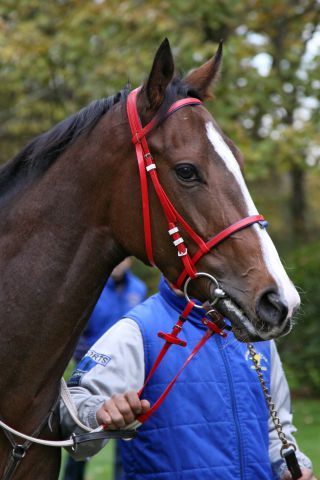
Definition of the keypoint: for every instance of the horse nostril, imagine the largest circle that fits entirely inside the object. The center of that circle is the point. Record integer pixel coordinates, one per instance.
(271, 309)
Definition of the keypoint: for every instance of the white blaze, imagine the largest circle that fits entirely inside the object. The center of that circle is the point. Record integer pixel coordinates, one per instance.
(286, 289)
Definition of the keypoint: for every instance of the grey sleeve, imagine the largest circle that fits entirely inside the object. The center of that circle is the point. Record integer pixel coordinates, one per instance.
(115, 365)
(280, 394)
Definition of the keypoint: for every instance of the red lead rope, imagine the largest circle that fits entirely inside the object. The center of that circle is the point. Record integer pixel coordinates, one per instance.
(171, 339)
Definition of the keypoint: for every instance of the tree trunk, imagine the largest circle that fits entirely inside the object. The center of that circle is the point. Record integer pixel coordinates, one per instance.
(298, 203)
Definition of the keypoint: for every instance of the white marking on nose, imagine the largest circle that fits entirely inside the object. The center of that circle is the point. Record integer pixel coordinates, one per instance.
(286, 289)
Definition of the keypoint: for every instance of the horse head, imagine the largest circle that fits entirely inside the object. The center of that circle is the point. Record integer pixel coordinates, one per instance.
(201, 172)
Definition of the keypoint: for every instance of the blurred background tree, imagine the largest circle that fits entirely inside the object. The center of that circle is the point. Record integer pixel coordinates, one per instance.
(57, 56)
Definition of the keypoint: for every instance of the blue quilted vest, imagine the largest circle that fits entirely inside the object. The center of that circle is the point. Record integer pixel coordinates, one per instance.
(214, 423)
(112, 304)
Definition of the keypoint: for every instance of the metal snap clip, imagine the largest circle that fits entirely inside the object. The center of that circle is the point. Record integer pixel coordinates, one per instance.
(285, 446)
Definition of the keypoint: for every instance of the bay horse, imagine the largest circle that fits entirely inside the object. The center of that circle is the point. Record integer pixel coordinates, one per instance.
(71, 211)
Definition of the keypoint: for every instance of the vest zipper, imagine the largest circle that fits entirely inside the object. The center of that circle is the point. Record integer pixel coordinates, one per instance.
(233, 403)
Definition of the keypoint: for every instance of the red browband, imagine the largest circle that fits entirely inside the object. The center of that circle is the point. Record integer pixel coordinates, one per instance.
(147, 166)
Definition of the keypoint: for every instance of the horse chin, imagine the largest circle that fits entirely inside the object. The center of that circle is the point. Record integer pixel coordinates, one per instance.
(243, 328)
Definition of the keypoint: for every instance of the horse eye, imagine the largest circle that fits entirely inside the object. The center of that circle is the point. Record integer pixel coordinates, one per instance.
(187, 172)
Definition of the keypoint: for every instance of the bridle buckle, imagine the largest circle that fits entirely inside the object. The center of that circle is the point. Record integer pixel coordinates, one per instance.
(19, 452)
(213, 280)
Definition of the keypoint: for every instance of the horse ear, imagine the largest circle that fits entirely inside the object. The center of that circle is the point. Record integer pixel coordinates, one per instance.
(160, 76)
(202, 78)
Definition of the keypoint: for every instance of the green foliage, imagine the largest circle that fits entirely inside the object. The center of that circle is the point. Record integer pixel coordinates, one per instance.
(149, 275)
(300, 350)
(306, 415)
(57, 56)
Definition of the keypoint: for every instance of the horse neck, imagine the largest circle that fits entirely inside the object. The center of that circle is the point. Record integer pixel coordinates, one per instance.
(57, 254)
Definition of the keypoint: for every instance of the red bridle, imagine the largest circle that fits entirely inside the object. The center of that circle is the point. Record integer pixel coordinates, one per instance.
(147, 166)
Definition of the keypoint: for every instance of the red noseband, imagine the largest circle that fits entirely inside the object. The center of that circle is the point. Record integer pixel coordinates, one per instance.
(147, 167)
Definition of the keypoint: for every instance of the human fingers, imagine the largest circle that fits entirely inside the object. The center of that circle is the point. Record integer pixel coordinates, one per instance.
(134, 402)
(116, 419)
(145, 405)
(124, 407)
(103, 417)
(121, 410)
(306, 475)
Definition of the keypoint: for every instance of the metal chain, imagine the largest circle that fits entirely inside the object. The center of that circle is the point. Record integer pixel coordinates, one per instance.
(271, 406)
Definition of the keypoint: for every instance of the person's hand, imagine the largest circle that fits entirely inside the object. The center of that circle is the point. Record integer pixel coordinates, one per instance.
(121, 410)
(306, 475)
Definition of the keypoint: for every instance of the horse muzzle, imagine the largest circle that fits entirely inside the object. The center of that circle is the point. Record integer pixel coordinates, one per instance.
(270, 318)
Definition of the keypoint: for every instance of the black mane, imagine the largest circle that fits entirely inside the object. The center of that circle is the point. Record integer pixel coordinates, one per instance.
(44, 149)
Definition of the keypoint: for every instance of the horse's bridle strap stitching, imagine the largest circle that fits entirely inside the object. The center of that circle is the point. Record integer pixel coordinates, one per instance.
(135, 126)
(145, 205)
(220, 237)
(170, 211)
(144, 156)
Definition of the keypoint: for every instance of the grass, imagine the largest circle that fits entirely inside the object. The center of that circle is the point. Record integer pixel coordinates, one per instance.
(306, 419)
(100, 467)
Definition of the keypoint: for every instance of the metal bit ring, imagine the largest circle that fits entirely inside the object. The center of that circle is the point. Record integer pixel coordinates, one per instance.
(213, 280)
